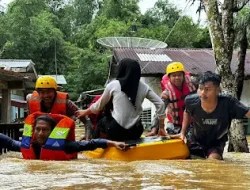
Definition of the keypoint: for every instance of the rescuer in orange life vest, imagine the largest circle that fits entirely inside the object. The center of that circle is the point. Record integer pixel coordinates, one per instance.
(52, 137)
(176, 85)
(47, 99)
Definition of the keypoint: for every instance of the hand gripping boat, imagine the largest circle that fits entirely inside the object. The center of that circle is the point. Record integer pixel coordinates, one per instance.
(148, 148)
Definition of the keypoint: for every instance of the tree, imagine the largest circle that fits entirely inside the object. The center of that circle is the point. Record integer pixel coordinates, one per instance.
(88, 71)
(184, 34)
(3, 33)
(165, 22)
(221, 23)
(85, 11)
(163, 12)
(121, 10)
(66, 31)
(33, 35)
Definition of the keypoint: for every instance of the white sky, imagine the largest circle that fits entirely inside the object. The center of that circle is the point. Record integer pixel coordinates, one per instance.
(145, 4)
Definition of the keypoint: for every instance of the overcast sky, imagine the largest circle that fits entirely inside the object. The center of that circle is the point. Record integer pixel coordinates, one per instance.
(145, 4)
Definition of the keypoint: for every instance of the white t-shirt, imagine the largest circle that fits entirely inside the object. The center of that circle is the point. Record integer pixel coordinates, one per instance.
(124, 112)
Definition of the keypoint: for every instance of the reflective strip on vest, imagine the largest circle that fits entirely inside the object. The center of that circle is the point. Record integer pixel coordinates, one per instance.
(59, 133)
(173, 104)
(27, 130)
(54, 144)
(189, 83)
(34, 98)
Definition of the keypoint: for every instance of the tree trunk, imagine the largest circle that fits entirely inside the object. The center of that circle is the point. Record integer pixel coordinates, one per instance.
(237, 137)
(240, 72)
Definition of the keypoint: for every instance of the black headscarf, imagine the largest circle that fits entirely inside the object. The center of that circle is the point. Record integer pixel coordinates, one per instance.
(129, 74)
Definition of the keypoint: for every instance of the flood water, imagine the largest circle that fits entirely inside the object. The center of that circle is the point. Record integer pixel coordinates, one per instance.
(84, 173)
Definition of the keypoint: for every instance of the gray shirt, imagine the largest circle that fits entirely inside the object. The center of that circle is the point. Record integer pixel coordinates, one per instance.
(123, 111)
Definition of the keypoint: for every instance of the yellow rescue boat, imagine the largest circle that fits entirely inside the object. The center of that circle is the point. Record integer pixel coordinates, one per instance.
(148, 148)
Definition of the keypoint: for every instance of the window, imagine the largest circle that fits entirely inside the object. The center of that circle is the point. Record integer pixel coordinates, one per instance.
(146, 118)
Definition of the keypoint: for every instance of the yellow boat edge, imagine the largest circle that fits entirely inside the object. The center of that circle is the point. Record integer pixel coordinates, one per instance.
(169, 149)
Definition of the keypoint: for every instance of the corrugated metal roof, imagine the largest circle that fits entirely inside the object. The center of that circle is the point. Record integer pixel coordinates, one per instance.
(153, 57)
(194, 60)
(11, 76)
(60, 79)
(15, 63)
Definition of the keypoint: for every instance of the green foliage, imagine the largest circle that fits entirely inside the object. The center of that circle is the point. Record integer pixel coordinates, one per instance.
(163, 13)
(34, 36)
(3, 31)
(84, 11)
(242, 20)
(65, 32)
(202, 39)
(121, 10)
(88, 70)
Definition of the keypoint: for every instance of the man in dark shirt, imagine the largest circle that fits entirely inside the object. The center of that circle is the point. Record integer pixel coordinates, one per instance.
(212, 114)
(44, 125)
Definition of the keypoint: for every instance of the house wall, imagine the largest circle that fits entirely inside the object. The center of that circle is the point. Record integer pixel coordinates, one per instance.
(14, 110)
(155, 85)
(245, 96)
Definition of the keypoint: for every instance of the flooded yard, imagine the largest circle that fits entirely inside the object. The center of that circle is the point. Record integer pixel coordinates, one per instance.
(84, 173)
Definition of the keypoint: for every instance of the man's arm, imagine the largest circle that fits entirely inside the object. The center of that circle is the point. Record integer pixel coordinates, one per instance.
(72, 108)
(72, 146)
(185, 124)
(9, 143)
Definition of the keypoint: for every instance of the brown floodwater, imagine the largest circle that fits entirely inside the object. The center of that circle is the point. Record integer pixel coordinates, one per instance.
(84, 173)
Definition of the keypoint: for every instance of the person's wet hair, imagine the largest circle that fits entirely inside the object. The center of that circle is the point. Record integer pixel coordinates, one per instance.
(48, 119)
(209, 76)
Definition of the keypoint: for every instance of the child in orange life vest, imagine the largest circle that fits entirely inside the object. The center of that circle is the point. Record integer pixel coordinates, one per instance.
(176, 85)
(42, 140)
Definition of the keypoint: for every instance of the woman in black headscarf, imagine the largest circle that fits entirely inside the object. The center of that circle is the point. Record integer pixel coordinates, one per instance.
(126, 94)
(129, 75)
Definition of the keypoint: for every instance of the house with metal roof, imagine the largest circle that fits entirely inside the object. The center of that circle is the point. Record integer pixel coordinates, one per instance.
(17, 80)
(12, 104)
(24, 67)
(154, 61)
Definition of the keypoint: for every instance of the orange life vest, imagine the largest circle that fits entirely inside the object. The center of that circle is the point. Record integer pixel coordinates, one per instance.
(176, 104)
(54, 146)
(59, 105)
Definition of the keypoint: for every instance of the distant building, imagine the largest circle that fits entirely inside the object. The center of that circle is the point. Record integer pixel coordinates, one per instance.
(18, 79)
